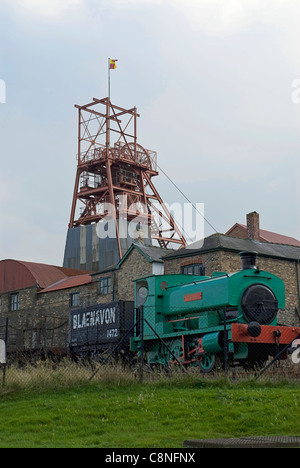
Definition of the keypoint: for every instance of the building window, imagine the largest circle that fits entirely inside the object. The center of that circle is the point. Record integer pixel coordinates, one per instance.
(194, 269)
(14, 301)
(105, 285)
(74, 299)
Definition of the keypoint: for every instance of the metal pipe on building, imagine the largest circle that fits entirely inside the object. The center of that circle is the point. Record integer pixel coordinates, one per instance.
(298, 283)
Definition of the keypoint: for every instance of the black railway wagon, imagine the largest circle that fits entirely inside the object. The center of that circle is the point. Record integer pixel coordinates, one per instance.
(99, 328)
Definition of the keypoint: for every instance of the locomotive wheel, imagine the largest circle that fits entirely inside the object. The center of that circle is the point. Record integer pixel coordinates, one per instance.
(207, 364)
(177, 350)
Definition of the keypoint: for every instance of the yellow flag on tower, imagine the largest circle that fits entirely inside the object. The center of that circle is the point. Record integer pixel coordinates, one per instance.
(112, 64)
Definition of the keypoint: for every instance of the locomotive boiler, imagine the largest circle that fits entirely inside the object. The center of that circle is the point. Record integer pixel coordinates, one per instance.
(200, 320)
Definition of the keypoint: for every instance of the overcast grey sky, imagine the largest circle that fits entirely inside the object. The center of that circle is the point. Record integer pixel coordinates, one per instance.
(213, 81)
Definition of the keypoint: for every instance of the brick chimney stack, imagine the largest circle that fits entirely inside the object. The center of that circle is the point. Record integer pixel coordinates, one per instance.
(253, 226)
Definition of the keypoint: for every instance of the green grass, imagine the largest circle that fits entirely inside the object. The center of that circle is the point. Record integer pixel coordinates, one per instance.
(156, 414)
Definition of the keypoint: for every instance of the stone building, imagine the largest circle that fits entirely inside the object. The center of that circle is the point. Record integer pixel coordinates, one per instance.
(113, 284)
(20, 285)
(37, 298)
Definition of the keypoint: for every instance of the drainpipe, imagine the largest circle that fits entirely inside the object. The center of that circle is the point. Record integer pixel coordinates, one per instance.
(298, 283)
(114, 287)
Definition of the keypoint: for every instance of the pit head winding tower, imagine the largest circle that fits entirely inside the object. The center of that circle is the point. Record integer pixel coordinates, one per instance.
(115, 201)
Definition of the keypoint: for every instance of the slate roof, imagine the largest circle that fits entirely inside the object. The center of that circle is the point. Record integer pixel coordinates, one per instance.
(150, 252)
(153, 253)
(234, 244)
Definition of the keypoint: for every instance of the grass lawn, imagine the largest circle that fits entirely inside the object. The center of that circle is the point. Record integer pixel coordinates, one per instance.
(150, 415)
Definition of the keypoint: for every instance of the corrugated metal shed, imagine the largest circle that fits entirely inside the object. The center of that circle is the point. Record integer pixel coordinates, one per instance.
(15, 274)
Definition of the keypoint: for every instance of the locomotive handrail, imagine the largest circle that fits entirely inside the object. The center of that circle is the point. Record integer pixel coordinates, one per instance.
(205, 278)
(260, 276)
(182, 319)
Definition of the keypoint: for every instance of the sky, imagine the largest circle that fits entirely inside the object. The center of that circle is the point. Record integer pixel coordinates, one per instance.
(217, 86)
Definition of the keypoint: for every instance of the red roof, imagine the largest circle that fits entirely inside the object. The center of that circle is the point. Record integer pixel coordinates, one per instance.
(66, 283)
(268, 236)
(15, 274)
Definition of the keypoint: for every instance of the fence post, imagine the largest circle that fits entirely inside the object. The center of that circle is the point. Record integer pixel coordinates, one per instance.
(225, 344)
(141, 351)
(5, 341)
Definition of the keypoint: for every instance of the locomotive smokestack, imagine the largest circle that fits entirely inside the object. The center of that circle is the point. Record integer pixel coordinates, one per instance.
(248, 260)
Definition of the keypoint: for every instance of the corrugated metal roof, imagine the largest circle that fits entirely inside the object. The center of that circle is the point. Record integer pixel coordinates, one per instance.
(66, 283)
(16, 274)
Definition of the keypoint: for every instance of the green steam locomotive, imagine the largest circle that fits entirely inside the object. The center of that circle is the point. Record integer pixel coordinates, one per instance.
(201, 320)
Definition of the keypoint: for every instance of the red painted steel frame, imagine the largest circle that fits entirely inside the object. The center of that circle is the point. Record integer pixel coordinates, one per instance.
(241, 335)
(111, 163)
